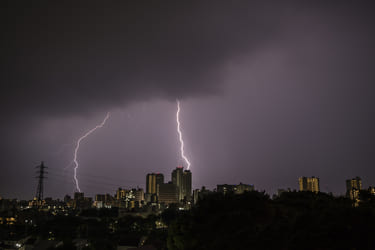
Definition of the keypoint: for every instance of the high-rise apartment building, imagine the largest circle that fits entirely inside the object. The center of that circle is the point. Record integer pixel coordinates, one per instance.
(168, 193)
(78, 196)
(177, 175)
(100, 197)
(355, 183)
(186, 185)
(371, 190)
(139, 195)
(81, 202)
(120, 194)
(353, 187)
(182, 179)
(309, 184)
(152, 180)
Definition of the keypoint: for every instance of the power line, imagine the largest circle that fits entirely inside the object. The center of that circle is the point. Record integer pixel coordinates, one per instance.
(92, 182)
(96, 177)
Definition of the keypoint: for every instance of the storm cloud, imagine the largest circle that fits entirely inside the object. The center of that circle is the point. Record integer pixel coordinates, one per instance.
(63, 58)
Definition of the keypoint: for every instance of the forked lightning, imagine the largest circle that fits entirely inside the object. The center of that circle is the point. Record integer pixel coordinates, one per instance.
(180, 136)
(76, 164)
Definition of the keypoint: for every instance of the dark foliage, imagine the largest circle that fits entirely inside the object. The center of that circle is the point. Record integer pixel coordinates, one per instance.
(296, 220)
(104, 212)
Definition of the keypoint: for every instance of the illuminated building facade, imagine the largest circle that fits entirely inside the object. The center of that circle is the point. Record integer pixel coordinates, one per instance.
(234, 189)
(371, 190)
(120, 194)
(310, 184)
(139, 195)
(353, 187)
(177, 180)
(241, 188)
(152, 180)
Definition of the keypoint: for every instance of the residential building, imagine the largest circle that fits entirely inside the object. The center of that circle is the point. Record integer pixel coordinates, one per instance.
(152, 180)
(168, 193)
(353, 187)
(183, 180)
(234, 189)
(310, 184)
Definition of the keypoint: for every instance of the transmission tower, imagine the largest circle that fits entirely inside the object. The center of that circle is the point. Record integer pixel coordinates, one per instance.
(41, 177)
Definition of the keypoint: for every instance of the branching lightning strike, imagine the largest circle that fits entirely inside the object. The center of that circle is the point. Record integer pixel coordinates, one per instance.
(180, 136)
(76, 164)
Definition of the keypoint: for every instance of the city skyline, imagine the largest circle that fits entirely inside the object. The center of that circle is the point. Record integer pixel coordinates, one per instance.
(182, 179)
(268, 93)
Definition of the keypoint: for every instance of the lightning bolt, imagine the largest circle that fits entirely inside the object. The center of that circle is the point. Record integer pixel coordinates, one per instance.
(76, 164)
(180, 136)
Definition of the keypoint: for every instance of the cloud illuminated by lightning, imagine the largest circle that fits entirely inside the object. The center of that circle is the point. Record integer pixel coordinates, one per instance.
(77, 148)
(180, 136)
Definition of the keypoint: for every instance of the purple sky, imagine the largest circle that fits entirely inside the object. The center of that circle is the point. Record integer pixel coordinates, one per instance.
(269, 92)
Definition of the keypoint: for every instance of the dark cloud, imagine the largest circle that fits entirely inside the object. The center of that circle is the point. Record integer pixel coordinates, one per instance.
(64, 58)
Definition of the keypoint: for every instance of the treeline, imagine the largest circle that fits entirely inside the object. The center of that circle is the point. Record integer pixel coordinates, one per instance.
(295, 220)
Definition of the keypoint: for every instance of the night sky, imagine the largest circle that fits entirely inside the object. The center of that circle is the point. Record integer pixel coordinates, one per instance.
(269, 91)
